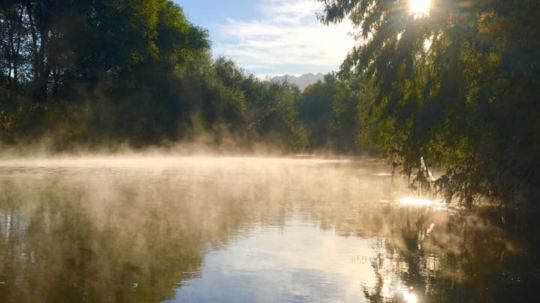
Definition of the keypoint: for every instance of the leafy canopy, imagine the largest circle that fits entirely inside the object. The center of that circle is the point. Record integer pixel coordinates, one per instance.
(457, 85)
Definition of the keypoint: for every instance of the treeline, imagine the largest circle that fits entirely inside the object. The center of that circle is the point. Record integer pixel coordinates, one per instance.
(103, 73)
(458, 86)
(108, 72)
(336, 112)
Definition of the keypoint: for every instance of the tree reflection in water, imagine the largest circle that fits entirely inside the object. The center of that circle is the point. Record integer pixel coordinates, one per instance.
(54, 248)
(121, 235)
(118, 234)
(461, 258)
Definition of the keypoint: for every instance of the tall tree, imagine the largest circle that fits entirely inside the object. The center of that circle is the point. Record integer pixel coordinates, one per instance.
(458, 86)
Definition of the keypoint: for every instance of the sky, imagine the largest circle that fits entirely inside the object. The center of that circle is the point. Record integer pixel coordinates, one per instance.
(272, 37)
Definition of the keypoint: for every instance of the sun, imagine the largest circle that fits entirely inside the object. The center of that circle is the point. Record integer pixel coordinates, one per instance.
(419, 7)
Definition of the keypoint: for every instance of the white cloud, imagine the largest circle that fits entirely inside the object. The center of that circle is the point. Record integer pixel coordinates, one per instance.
(286, 38)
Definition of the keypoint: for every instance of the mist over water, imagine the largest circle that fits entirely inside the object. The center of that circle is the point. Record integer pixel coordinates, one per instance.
(241, 229)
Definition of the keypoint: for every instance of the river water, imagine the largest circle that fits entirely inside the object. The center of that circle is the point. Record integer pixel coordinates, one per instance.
(226, 229)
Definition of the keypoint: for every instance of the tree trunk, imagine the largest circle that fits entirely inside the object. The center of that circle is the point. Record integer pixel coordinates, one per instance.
(41, 66)
(17, 51)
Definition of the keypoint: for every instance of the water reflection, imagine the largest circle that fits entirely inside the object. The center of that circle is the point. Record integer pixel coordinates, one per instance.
(233, 230)
(470, 260)
(293, 263)
(421, 202)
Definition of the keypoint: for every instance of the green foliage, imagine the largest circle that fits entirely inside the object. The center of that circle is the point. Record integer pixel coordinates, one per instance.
(457, 86)
(336, 113)
(108, 72)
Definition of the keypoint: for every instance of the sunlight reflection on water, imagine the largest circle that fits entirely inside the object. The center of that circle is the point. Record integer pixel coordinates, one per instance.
(409, 297)
(421, 202)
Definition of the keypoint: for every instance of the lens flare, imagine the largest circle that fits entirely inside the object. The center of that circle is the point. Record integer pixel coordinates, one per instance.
(419, 7)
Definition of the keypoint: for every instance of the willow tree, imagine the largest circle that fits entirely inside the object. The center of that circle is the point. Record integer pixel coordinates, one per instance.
(458, 85)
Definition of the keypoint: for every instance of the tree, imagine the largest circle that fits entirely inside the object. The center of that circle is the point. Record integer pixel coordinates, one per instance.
(107, 72)
(335, 112)
(109, 65)
(457, 86)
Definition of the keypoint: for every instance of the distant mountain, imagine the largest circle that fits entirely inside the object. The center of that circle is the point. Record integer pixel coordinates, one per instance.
(302, 81)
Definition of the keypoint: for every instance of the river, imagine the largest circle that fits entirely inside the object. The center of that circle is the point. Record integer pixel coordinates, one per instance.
(244, 229)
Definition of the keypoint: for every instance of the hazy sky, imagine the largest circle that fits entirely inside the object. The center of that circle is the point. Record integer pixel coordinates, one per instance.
(271, 37)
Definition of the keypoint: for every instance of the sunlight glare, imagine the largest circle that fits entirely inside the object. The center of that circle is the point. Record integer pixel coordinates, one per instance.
(419, 7)
(410, 297)
(420, 202)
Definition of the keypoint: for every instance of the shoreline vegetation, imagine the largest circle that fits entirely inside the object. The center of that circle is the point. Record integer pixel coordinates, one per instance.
(457, 87)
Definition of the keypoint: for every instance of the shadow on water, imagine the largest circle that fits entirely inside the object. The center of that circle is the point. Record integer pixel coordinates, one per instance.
(114, 233)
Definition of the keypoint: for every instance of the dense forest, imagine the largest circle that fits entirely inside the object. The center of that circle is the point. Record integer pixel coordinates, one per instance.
(457, 87)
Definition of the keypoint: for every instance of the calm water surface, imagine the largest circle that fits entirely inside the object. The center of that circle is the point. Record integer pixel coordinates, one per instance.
(223, 229)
